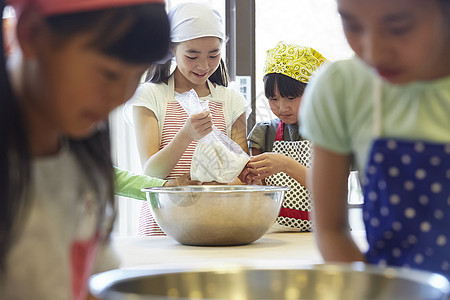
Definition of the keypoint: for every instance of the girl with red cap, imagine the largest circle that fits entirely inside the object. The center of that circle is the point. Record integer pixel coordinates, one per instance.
(76, 61)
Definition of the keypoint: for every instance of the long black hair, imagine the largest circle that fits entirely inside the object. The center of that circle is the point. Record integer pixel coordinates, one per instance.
(161, 72)
(14, 157)
(138, 35)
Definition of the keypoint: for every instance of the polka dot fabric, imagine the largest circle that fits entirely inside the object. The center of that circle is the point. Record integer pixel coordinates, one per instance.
(298, 196)
(407, 205)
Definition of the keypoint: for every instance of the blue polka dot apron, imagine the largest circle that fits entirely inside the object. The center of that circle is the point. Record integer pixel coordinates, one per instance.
(294, 213)
(406, 206)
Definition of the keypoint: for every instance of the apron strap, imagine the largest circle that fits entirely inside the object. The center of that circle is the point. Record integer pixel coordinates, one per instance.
(377, 111)
(171, 88)
(212, 89)
(280, 131)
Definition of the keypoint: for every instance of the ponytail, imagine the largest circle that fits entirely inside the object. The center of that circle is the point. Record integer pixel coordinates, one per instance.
(158, 72)
(14, 158)
(220, 76)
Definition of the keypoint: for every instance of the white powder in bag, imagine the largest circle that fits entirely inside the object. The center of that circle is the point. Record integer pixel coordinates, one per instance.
(215, 162)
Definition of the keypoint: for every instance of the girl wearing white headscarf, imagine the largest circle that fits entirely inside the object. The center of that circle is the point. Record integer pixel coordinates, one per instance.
(166, 136)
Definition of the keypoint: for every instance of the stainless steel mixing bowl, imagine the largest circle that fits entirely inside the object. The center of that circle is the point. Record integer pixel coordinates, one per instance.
(324, 282)
(215, 215)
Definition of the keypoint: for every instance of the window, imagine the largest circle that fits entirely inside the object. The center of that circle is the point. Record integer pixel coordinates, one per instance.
(312, 23)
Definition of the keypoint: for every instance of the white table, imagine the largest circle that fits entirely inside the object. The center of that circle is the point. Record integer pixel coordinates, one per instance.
(295, 248)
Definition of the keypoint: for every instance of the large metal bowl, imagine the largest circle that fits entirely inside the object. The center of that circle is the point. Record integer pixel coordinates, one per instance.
(215, 215)
(327, 282)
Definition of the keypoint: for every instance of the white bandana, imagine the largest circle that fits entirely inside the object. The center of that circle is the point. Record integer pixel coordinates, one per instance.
(189, 21)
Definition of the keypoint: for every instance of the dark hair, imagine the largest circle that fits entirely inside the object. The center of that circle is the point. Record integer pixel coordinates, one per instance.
(14, 157)
(445, 7)
(161, 72)
(286, 86)
(138, 35)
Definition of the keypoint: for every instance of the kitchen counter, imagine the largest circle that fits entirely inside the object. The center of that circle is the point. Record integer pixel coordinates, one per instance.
(295, 248)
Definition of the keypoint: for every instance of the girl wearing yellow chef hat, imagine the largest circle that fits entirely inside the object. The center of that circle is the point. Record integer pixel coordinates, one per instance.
(280, 155)
(75, 62)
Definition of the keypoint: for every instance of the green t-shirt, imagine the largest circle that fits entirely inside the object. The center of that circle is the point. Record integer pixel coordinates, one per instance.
(128, 184)
(337, 110)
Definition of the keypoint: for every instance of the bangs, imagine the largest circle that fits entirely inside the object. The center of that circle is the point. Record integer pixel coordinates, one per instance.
(286, 86)
(137, 34)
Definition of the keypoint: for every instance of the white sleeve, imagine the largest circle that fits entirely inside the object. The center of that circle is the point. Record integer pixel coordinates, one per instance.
(149, 95)
(237, 105)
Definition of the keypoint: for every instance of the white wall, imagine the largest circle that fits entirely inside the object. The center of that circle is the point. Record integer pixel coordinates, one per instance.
(312, 23)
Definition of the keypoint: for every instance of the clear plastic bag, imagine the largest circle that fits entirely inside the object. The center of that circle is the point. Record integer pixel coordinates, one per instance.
(216, 156)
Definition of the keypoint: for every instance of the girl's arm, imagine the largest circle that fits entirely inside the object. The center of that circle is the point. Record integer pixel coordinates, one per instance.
(239, 135)
(269, 163)
(248, 175)
(128, 184)
(239, 132)
(159, 163)
(328, 179)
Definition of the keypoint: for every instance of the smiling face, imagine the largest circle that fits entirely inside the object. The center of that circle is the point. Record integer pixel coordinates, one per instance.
(71, 88)
(403, 40)
(198, 59)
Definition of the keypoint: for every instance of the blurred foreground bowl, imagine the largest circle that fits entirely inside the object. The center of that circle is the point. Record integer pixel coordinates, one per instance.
(327, 282)
(215, 215)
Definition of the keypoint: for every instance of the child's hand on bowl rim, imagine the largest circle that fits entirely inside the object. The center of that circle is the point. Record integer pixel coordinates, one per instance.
(184, 179)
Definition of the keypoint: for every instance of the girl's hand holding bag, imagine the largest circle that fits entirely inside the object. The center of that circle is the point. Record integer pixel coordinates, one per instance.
(216, 157)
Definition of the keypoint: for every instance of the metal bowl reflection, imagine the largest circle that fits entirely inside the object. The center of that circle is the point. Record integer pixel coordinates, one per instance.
(330, 282)
(215, 215)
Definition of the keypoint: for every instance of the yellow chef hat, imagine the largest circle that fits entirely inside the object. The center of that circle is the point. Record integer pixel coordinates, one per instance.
(294, 61)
